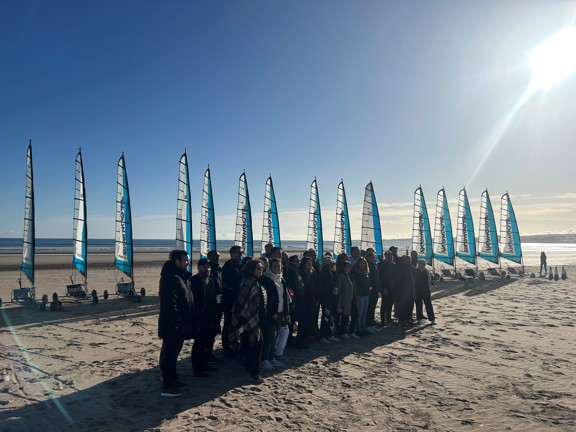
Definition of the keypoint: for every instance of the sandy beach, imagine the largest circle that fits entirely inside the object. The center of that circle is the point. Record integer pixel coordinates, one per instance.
(501, 357)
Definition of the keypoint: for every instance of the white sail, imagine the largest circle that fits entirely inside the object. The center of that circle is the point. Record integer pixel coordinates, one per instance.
(29, 240)
(371, 229)
(342, 239)
(421, 235)
(315, 239)
(123, 258)
(487, 237)
(465, 234)
(510, 244)
(443, 238)
(207, 219)
(270, 223)
(80, 233)
(184, 208)
(243, 236)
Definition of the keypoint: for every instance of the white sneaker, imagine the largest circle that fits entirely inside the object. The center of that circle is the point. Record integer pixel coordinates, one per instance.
(333, 339)
(354, 336)
(277, 364)
(346, 336)
(266, 366)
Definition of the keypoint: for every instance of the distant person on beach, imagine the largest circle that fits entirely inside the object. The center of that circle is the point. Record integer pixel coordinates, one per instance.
(267, 249)
(543, 263)
(361, 276)
(230, 276)
(414, 258)
(206, 312)
(176, 318)
(248, 317)
(422, 293)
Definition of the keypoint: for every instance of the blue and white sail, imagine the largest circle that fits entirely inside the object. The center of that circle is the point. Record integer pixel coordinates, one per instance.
(510, 245)
(184, 208)
(371, 234)
(342, 239)
(421, 234)
(270, 223)
(80, 232)
(465, 234)
(243, 237)
(487, 236)
(443, 237)
(207, 219)
(123, 252)
(315, 239)
(29, 240)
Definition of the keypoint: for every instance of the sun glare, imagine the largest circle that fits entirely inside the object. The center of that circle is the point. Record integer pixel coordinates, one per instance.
(554, 59)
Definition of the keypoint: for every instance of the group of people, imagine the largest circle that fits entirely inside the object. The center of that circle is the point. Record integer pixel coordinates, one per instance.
(262, 305)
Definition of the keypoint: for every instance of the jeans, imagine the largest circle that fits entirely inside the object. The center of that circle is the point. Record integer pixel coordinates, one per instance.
(362, 302)
(281, 340)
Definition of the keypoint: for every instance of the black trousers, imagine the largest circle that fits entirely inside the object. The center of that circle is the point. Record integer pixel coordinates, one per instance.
(202, 348)
(327, 323)
(386, 306)
(353, 317)
(343, 324)
(252, 354)
(227, 304)
(424, 296)
(372, 302)
(169, 352)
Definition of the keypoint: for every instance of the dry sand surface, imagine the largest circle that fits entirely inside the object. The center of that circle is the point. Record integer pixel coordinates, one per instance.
(500, 358)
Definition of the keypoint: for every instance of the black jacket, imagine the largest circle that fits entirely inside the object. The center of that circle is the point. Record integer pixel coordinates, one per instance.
(272, 303)
(204, 301)
(176, 318)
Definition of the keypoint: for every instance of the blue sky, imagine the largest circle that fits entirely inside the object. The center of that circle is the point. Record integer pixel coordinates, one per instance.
(400, 93)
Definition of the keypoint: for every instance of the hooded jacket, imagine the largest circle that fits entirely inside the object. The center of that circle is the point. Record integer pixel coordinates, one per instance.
(176, 318)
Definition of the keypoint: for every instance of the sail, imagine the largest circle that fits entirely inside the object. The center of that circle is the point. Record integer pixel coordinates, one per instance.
(123, 241)
(184, 208)
(342, 239)
(465, 236)
(29, 241)
(421, 235)
(487, 237)
(270, 224)
(207, 219)
(243, 237)
(315, 239)
(371, 229)
(443, 237)
(80, 233)
(510, 245)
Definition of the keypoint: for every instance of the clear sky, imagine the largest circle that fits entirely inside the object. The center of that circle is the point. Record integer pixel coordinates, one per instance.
(400, 93)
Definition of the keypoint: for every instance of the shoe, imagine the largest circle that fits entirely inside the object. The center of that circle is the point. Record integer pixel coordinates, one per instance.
(214, 359)
(346, 336)
(325, 341)
(370, 330)
(282, 358)
(333, 339)
(276, 363)
(266, 366)
(201, 375)
(180, 386)
(171, 392)
(354, 336)
(209, 369)
(433, 322)
(256, 378)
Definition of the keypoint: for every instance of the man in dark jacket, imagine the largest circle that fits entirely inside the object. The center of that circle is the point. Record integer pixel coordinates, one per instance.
(205, 309)
(294, 282)
(176, 318)
(374, 291)
(387, 269)
(216, 276)
(230, 276)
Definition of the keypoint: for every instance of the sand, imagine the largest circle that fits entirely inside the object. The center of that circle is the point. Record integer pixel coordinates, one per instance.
(501, 357)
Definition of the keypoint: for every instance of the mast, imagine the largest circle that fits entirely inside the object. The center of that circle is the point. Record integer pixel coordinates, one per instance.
(487, 237)
(123, 256)
(371, 229)
(270, 223)
(80, 232)
(510, 243)
(29, 240)
(184, 208)
(207, 219)
(443, 239)
(315, 238)
(243, 237)
(421, 235)
(342, 239)
(465, 234)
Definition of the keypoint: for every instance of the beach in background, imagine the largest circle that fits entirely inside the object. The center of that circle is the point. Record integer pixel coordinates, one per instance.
(501, 357)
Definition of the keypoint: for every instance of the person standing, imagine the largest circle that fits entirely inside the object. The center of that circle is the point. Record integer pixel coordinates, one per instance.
(230, 276)
(206, 312)
(295, 283)
(248, 317)
(387, 269)
(216, 276)
(346, 299)
(176, 318)
(543, 263)
(405, 290)
(361, 277)
(422, 292)
(374, 292)
(329, 300)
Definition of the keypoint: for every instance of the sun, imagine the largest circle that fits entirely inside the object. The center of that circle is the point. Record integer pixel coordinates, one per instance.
(554, 59)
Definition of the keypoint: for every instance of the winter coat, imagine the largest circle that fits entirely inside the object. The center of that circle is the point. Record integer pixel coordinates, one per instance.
(176, 319)
(270, 283)
(346, 292)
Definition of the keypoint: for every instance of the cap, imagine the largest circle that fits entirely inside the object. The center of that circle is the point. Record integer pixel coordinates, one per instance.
(203, 261)
(392, 248)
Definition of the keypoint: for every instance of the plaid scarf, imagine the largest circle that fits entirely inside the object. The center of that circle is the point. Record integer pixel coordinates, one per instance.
(245, 314)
